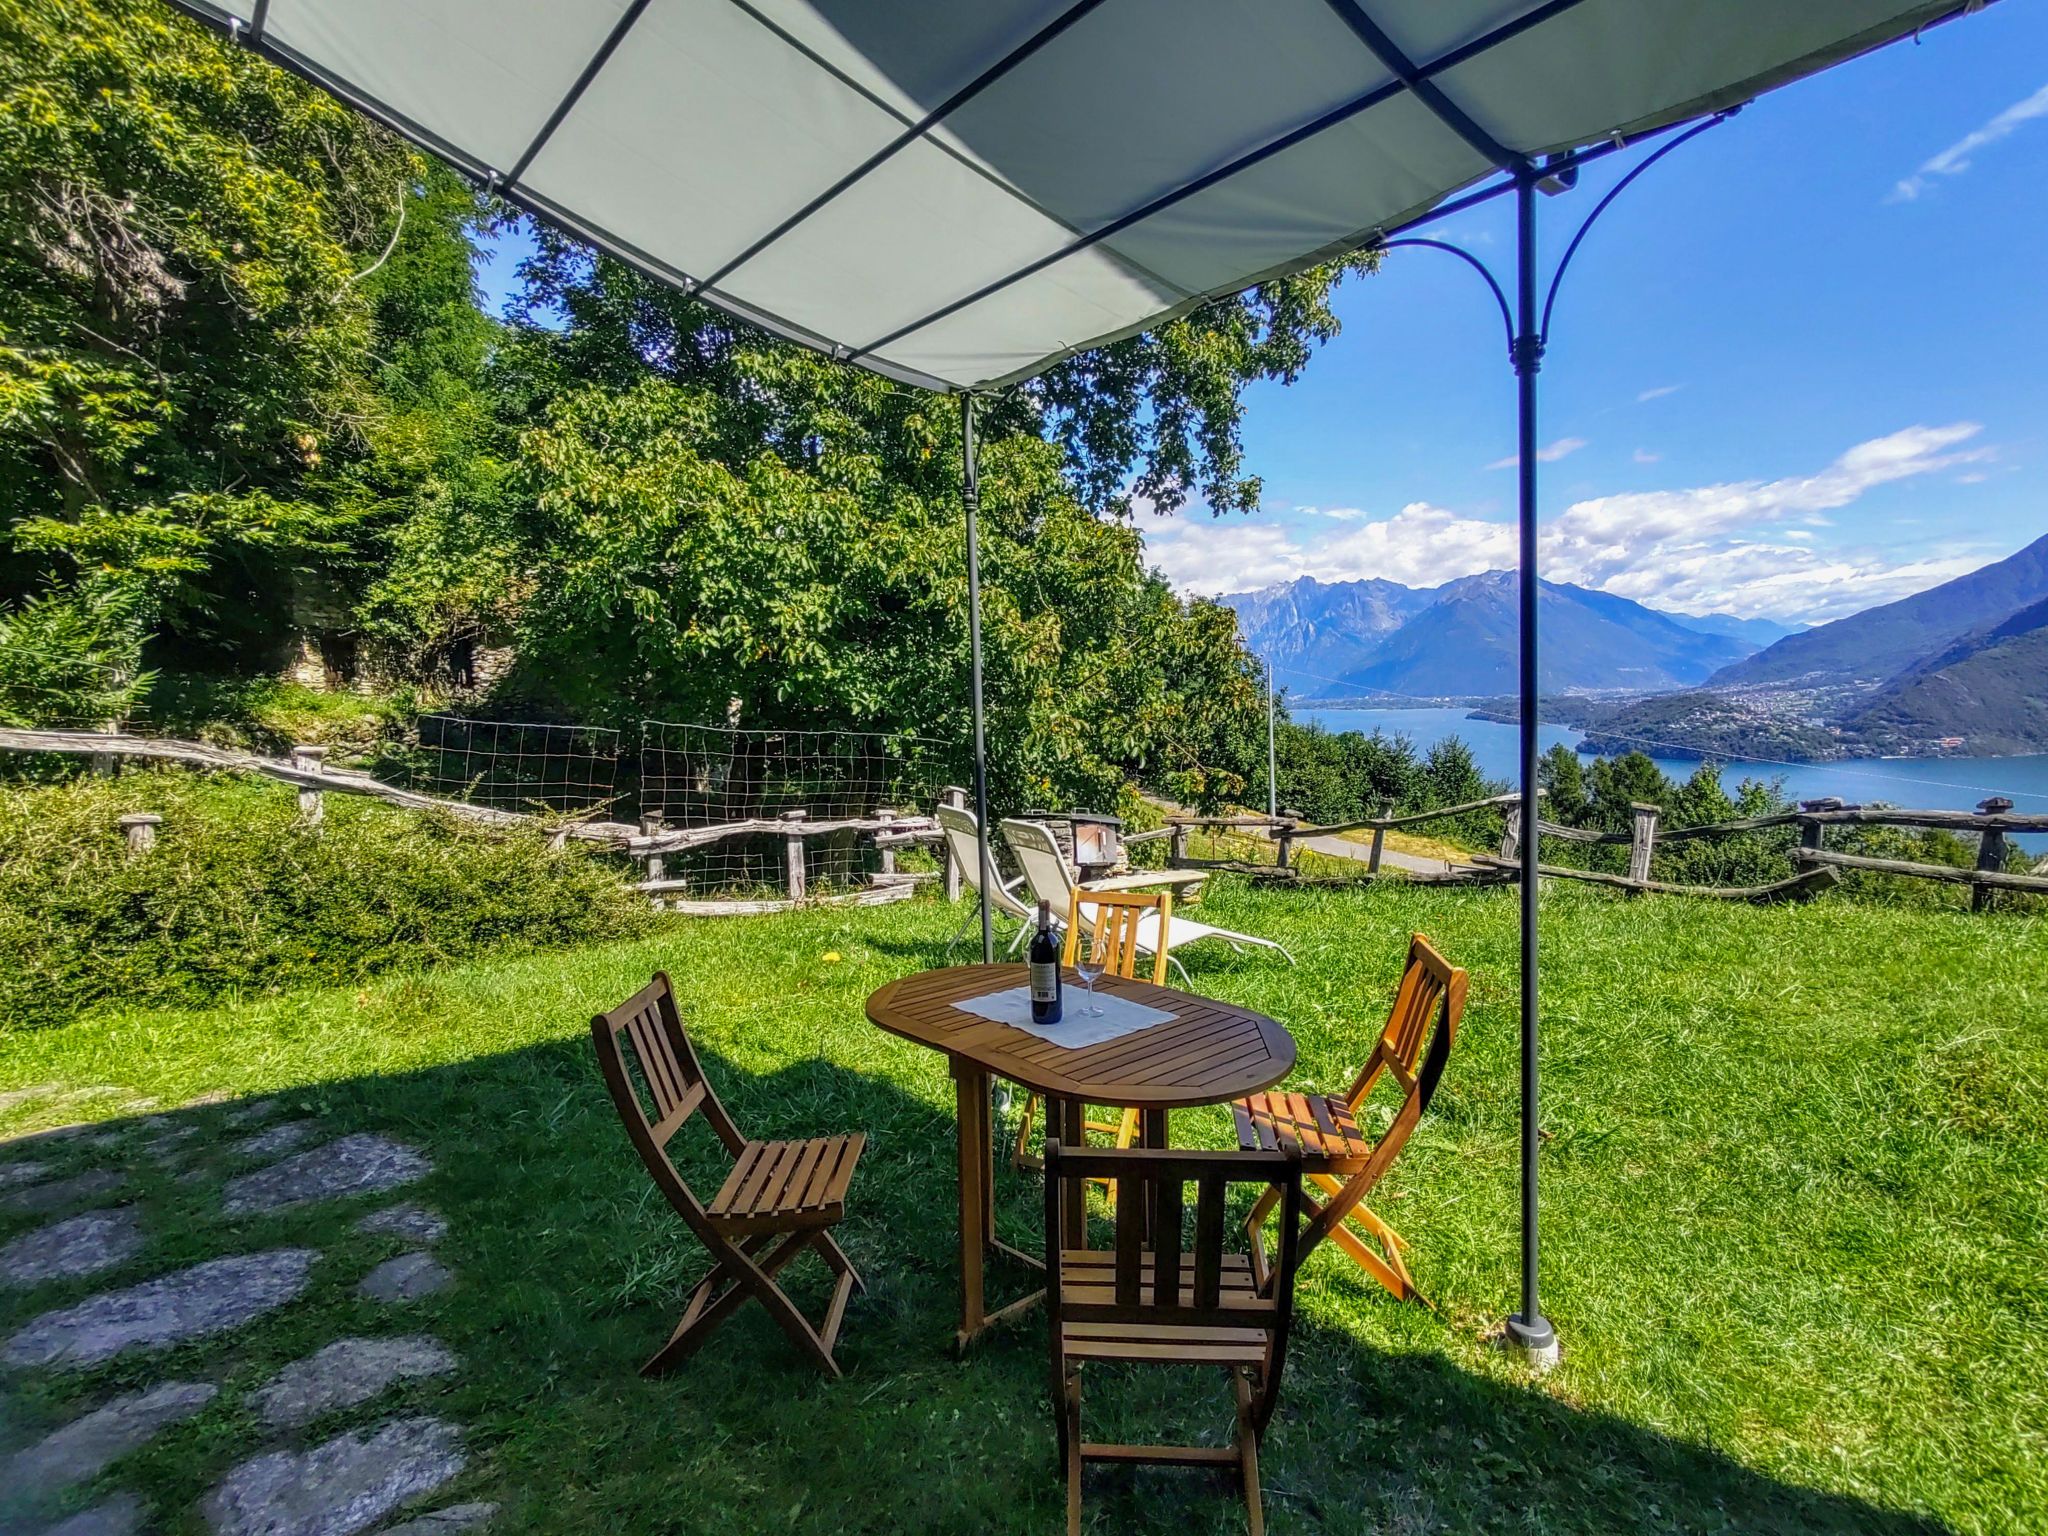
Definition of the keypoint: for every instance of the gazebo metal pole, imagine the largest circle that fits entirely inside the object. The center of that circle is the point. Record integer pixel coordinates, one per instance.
(1528, 1330)
(970, 496)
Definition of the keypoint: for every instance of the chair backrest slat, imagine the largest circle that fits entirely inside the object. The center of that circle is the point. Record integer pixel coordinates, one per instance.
(1113, 922)
(1130, 1241)
(1210, 1193)
(1431, 990)
(1166, 1204)
(647, 1030)
(1161, 1277)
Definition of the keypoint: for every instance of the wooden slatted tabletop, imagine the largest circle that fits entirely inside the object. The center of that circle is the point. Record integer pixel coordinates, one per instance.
(1208, 1052)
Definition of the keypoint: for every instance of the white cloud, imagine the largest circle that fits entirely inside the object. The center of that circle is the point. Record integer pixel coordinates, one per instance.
(1954, 160)
(1658, 393)
(1743, 547)
(1548, 454)
(1644, 456)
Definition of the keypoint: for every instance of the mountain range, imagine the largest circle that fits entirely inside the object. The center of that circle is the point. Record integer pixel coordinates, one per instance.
(1461, 640)
(1959, 667)
(1881, 642)
(1962, 667)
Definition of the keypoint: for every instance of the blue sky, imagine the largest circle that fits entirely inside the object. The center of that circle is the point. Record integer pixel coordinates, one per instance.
(1798, 368)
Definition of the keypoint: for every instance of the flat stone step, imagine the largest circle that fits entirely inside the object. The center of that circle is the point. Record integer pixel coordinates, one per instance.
(58, 1193)
(205, 1299)
(12, 1174)
(282, 1137)
(360, 1164)
(414, 1222)
(88, 1445)
(345, 1373)
(120, 1515)
(345, 1485)
(444, 1522)
(77, 1245)
(409, 1277)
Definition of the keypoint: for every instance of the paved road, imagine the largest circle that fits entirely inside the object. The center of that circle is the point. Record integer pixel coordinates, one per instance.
(1344, 848)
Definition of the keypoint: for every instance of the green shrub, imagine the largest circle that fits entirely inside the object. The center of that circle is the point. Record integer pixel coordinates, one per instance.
(238, 897)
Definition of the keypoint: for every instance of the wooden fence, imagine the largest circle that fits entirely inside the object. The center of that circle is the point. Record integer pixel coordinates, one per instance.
(649, 842)
(1817, 867)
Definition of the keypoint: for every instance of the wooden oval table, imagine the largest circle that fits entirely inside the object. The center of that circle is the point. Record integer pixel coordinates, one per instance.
(1208, 1052)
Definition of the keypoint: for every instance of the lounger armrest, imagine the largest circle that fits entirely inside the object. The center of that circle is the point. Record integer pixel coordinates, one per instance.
(1140, 879)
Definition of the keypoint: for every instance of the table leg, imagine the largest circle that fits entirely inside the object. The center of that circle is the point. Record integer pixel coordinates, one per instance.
(1071, 1114)
(970, 1087)
(1152, 1128)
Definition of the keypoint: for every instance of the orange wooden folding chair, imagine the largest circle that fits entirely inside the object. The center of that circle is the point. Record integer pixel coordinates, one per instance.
(1125, 924)
(777, 1203)
(1337, 1156)
(1150, 1301)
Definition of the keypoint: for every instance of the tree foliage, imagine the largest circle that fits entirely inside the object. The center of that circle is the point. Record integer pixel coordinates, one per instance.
(247, 394)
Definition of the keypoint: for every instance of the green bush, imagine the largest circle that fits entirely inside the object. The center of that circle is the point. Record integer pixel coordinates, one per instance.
(238, 897)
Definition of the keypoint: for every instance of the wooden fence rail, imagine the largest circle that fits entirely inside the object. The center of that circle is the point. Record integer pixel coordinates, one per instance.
(306, 771)
(1816, 867)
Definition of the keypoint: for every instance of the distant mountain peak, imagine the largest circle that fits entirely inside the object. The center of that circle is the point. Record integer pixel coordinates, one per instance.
(1879, 642)
(1461, 640)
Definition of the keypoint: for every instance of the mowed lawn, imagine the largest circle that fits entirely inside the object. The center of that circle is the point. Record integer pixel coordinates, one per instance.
(1795, 1206)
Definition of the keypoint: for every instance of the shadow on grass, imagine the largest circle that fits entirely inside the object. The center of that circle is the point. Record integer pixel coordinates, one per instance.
(571, 1271)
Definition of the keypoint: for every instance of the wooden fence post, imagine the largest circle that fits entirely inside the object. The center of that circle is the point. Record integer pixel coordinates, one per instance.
(105, 764)
(1286, 842)
(312, 803)
(1642, 839)
(1379, 846)
(1178, 845)
(139, 827)
(1813, 834)
(1511, 835)
(886, 850)
(657, 866)
(956, 797)
(793, 853)
(1990, 850)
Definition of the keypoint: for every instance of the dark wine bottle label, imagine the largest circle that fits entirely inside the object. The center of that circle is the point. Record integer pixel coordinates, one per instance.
(1045, 981)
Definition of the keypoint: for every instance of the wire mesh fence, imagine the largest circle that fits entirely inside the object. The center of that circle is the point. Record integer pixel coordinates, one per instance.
(512, 765)
(705, 775)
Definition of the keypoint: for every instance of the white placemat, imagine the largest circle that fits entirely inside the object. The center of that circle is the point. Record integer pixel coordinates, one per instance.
(1119, 1016)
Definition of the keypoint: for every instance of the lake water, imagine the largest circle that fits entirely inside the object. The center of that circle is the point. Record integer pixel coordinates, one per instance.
(1924, 783)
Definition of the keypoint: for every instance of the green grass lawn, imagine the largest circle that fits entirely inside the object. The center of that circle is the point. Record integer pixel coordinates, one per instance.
(1796, 1234)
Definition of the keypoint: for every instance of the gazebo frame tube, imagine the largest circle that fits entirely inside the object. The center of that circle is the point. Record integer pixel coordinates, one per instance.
(1527, 335)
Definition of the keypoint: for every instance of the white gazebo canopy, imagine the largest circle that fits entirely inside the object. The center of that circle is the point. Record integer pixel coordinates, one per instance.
(958, 193)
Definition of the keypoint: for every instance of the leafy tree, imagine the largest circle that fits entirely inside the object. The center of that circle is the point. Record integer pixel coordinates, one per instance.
(1564, 780)
(186, 322)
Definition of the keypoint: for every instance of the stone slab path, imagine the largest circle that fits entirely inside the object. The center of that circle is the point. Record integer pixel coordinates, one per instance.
(413, 1222)
(120, 1515)
(444, 1522)
(345, 1373)
(409, 1277)
(342, 1486)
(366, 1478)
(88, 1445)
(354, 1165)
(205, 1299)
(59, 1193)
(67, 1249)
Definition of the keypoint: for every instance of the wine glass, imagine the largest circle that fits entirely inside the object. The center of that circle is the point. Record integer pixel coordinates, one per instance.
(1089, 968)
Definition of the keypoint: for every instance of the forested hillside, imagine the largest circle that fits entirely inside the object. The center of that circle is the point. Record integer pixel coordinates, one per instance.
(252, 416)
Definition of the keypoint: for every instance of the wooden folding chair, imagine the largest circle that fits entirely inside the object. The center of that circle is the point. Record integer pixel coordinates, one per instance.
(1126, 924)
(1150, 1301)
(777, 1203)
(1339, 1158)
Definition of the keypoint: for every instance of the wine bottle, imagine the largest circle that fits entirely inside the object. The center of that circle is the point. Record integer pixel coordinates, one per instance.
(1045, 970)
